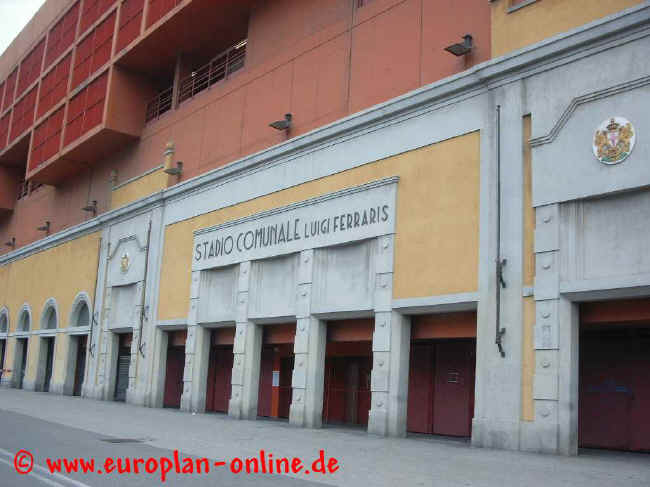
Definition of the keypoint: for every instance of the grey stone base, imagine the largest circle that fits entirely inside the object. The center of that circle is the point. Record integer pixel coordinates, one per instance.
(56, 388)
(503, 435)
(377, 423)
(539, 438)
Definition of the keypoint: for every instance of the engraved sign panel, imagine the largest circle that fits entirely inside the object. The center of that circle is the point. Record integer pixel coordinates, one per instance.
(358, 213)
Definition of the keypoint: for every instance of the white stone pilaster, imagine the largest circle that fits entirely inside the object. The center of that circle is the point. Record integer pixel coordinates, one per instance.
(247, 352)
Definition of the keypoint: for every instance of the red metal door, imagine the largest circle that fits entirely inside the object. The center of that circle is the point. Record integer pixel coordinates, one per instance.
(266, 382)
(615, 390)
(286, 371)
(219, 376)
(347, 390)
(174, 377)
(453, 398)
(420, 396)
(363, 386)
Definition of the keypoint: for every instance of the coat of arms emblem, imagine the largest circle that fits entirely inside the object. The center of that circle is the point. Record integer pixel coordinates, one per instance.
(614, 140)
(125, 263)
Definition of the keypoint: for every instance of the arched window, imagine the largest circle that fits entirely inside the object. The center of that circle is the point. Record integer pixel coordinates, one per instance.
(82, 315)
(24, 322)
(49, 320)
(4, 322)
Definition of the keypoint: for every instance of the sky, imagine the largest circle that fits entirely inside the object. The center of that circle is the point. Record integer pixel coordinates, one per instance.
(14, 15)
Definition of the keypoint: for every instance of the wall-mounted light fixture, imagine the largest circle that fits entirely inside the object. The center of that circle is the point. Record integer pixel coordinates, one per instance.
(91, 207)
(45, 228)
(175, 171)
(282, 124)
(460, 49)
(11, 243)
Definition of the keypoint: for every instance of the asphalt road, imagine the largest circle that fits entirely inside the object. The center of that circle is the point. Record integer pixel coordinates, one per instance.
(49, 440)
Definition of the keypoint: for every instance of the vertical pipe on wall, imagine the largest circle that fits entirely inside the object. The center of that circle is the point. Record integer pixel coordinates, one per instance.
(500, 262)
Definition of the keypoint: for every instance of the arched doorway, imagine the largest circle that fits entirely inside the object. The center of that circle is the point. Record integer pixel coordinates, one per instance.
(49, 323)
(77, 349)
(4, 329)
(22, 342)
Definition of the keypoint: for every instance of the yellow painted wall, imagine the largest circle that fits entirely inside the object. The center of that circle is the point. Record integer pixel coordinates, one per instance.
(33, 353)
(545, 18)
(437, 233)
(61, 346)
(60, 272)
(528, 355)
(139, 188)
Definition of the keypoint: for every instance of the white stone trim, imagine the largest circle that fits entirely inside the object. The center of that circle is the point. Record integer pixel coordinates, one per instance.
(77, 330)
(301, 204)
(514, 8)
(443, 303)
(4, 311)
(47, 332)
(176, 324)
(49, 303)
(25, 308)
(581, 100)
(140, 176)
(81, 297)
(607, 288)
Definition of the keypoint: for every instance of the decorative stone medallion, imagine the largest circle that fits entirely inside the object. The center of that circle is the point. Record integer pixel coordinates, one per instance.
(614, 140)
(125, 263)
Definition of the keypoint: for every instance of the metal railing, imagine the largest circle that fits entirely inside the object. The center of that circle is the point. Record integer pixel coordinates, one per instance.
(219, 68)
(160, 104)
(25, 188)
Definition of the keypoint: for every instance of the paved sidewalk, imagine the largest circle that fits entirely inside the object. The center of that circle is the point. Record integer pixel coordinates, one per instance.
(365, 460)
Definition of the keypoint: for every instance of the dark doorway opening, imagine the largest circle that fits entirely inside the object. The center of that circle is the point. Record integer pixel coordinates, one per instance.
(348, 366)
(441, 374)
(21, 356)
(123, 364)
(3, 347)
(80, 364)
(614, 378)
(48, 344)
(220, 370)
(276, 369)
(174, 369)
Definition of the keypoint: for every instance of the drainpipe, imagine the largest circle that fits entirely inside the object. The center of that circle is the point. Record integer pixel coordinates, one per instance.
(89, 344)
(143, 313)
(500, 263)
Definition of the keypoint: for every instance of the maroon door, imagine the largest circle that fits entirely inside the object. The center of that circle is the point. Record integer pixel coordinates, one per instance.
(347, 390)
(174, 377)
(363, 385)
(420, 398)
(615, 390)
(266, 382)
(286, 371)
(219, 376)
(453, 400)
